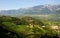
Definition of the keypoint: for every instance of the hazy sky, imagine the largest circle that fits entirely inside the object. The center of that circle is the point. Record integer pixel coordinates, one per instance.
(15, 4)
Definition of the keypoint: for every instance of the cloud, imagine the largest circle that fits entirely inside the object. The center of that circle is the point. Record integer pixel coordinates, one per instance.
(47, 0)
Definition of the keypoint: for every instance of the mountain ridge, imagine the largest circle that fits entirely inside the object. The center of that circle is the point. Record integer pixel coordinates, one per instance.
(39, 9)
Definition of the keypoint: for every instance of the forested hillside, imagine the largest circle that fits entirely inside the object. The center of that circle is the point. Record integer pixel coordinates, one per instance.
(28, 27)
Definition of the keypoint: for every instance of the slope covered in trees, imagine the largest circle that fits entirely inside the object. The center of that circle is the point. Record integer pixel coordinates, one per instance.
(27, 27)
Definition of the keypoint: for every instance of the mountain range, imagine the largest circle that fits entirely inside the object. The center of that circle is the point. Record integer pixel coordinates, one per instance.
(35, 10)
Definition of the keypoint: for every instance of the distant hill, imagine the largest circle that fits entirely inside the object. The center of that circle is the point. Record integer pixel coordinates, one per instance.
(38, 10)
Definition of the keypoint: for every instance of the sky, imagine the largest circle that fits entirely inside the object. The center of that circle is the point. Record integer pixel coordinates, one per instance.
(16, 4)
